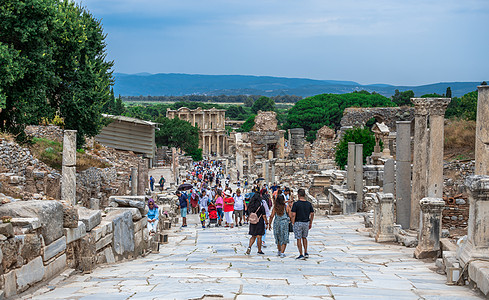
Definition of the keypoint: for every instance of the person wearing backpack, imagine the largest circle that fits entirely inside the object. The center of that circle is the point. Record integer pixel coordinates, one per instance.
(258, 222)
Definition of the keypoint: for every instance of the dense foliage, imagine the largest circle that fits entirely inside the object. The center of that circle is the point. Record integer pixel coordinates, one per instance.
(248, 125)
(464, 107)
(263, 104)
(53, 60)
(359, 136)
(327, 109)
(403, 98)
(180, 134)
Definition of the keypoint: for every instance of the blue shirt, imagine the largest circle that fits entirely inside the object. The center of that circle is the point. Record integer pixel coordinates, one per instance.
(152, 214)
(183, 200)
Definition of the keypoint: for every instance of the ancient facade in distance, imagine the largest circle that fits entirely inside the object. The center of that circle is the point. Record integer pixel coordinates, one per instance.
(211, 123)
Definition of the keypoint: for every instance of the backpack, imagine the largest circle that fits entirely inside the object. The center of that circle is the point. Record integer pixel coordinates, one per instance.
(253, 217)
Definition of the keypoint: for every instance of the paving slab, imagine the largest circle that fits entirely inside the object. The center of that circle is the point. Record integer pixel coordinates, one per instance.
(344, 263)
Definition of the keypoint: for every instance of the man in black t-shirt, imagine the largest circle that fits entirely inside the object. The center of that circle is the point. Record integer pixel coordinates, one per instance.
(302, 216)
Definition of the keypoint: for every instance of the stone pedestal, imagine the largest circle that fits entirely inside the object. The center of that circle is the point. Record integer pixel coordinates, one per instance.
(134, 181)
(477, 243)
(349, 205)
(359, 175)
(385, 218)
(482, 132)
(389, 177)
(403, 173)
(430, 228)
(435, 161)
(350, 172)
(420, 158)
(68, 180)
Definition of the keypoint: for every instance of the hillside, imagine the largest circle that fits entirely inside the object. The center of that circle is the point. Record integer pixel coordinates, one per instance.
(186, 84)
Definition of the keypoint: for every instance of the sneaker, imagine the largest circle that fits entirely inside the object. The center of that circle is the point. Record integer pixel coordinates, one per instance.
(184, 225)
(260, 252)
(263, 245)
(203, 226)
(282, 255)
(278, 253)
(306, 255)
(300, 257)
(248, 251)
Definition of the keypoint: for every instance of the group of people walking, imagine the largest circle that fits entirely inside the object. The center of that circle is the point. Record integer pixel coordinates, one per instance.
(263, 209)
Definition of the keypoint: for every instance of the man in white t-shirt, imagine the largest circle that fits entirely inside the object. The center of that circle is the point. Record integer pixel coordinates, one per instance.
(239, 207)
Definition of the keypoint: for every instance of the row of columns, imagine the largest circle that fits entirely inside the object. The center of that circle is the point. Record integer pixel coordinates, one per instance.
(219, 140)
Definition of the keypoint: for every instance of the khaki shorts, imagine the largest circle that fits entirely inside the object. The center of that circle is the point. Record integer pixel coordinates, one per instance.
(238, 213)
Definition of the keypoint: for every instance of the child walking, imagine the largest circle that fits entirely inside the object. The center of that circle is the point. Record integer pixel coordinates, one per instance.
(202, 217)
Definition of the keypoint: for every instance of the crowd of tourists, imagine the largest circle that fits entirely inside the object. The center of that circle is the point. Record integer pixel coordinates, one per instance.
(206, 191)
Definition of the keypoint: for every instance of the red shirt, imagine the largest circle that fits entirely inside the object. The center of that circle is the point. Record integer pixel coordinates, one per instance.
(228, 204)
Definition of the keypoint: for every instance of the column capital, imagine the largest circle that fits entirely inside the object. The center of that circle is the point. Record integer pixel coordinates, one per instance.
(421, 106)
(478, 186)
(431, 204)
(438, 106)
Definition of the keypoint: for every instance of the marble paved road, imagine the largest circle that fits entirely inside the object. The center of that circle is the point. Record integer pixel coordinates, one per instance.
(210, 263)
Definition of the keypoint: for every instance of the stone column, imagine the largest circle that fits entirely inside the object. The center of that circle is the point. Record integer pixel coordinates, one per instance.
(482, 132)
(350, 175)
(273, 171)
(68, 170)
(389, 177)
(134, 181)
(193, 123)
(218, 150)
(359, 175)
(430, 228)
(403, 173)
(142, 181)
(419, 188)
(210, 145)
(385, 218)
(266, 173)
(349, 205)
(477, 243)
(435, 162)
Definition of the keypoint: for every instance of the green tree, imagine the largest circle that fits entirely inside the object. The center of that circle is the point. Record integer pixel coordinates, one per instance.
(179, 133)
(448, 93)
(264, 104)
(359, 136)
(248, 102)
(403, 98)
(468, 106)
(247, 125)
(236, 112)
(327, 109)
(62, 54)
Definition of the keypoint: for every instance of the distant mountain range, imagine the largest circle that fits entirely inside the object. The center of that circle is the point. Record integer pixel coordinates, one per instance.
(146, 84)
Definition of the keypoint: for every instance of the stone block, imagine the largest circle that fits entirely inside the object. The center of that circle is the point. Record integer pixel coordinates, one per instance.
(31, 247)
(11, 252)
(54, 248)
(49, 212)
(91, 218)
(54, 267)
(102, 230)
(74, 234)
(28, 224)
(106, 256)
(139, 225)
(106, 240)
(9, 284)
(29, 274)
(94, 203)
(70, 216)
(7, 229)
(123, 231)
(136, 214)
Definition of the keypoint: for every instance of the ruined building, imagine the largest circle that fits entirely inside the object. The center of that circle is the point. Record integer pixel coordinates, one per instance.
(211, 123)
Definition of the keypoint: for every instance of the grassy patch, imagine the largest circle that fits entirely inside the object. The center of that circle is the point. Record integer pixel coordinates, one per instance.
(51, 153)
(460, 139)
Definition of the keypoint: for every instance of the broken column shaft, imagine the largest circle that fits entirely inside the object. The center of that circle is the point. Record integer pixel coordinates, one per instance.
(68, 181)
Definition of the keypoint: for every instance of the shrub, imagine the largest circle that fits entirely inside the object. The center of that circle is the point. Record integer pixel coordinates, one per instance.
(359, 136)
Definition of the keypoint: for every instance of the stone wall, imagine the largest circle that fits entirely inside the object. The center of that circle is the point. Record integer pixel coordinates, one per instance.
(358, 116)
(50, 132)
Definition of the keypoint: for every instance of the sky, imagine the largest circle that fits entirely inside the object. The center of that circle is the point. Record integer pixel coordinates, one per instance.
(399, 42)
